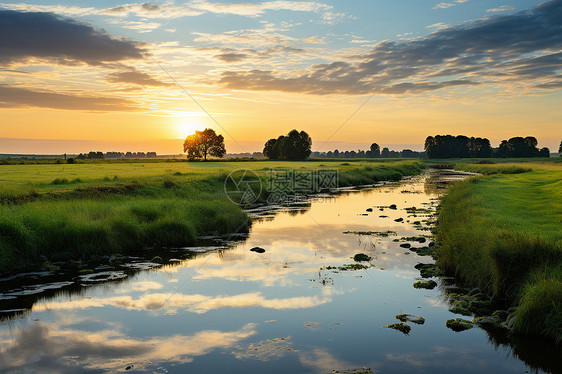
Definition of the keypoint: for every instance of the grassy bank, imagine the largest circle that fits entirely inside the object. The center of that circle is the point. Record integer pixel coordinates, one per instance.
(502, 233)
(54, 212)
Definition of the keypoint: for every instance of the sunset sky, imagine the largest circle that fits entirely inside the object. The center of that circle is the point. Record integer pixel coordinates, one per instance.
(107, 75)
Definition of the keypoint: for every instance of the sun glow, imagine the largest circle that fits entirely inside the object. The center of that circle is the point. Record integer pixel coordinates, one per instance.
(186, 126)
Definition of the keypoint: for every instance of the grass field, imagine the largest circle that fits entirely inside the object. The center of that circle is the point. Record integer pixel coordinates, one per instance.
(76, 211)
(502, 233)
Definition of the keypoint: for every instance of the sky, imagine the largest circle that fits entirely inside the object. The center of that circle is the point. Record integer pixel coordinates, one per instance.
(77, 76)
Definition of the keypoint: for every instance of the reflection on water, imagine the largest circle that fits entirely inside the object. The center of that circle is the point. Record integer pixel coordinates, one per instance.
(286, 310)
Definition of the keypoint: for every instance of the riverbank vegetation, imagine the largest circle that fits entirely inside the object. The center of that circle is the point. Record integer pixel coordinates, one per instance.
(54, 212)
(501, 233)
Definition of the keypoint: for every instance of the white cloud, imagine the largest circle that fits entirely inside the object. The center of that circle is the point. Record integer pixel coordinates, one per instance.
(502, 8)
(438, 26)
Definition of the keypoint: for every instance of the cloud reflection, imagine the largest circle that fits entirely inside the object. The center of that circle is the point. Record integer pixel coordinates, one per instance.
(45, 348)
(195, 303)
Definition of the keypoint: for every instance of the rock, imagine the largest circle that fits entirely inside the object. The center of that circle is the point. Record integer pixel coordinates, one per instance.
(405, 245)
(431, 244)
(428, 285)
(459, 324)
(399, 219)
(421, 240)
(369, 209)
(257, 250)
(393, 206)
(410, 318)
(157, 259)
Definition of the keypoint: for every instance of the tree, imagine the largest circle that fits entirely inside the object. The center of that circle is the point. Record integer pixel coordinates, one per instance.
(204, 143)
(293, 146)
(375, 150)
(269, 150)
(560, 149)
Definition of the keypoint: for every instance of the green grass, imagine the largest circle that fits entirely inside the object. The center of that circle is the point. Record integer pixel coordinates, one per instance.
(502, 233)
(78, 211)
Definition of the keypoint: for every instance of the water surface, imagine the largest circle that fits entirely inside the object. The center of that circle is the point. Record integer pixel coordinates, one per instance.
(232, 310)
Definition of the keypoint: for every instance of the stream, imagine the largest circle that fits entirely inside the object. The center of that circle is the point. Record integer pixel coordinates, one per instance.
(296, 308)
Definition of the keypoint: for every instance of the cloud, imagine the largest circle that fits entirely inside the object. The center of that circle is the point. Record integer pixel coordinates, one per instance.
(502, 8)
(48, 348)
(191, 9)
(231, 56)
(135, 77)
(17, 97)
(257, 9)
(520, 48)
(47, 36)
(194, 303)
(448, 5)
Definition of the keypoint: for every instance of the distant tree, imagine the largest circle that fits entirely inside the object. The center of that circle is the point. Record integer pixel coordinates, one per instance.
(336, 154)
(293, 146)
(544, 152)
(518, 147)
(95, 155)
(448, 146)
(375, 150)
(385, 153)
(269, 150)
(560, 149)
(204, 143)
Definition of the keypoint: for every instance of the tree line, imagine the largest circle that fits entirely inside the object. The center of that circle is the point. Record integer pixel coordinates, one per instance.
(113, 155)
(460, 146)
(296, 145)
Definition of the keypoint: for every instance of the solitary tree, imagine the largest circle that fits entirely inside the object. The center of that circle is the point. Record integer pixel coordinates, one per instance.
(204, 143)
(560, 149)
(375, 150)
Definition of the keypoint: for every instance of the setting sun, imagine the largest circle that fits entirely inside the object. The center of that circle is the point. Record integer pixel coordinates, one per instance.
(186, 126)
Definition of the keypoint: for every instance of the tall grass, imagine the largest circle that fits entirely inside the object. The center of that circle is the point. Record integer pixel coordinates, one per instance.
(502, 234)
(60, 217)
(79, 229)
(368, 174)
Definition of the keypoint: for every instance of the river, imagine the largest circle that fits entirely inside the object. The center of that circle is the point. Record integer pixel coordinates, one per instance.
(287, 310)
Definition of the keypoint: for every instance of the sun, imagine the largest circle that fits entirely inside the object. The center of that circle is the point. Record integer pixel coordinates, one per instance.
(188, 126)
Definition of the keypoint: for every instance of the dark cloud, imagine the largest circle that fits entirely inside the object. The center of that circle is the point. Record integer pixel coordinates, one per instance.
(521, 47)
(48, 36)
(230, 55)
(135, 77)
(147, 7)
(16, 97)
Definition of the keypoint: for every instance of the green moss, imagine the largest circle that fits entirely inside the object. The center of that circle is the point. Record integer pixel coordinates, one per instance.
(459, 324)
(410, 318)
(402, 327)
(429, 285)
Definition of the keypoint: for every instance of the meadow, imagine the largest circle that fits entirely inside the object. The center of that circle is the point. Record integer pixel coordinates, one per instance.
(501, 233)
(52, 212)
